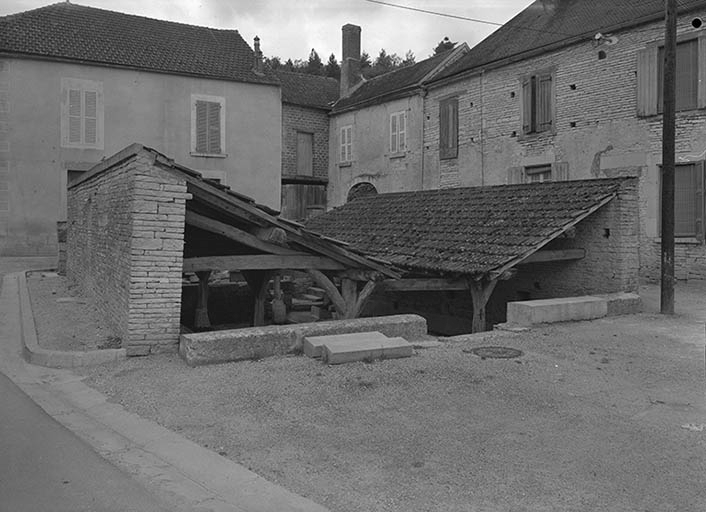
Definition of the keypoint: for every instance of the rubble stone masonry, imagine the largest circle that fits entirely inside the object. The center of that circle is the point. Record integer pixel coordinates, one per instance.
(125, 240)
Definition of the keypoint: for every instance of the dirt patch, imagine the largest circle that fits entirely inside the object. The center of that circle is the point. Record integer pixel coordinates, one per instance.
(64, 320)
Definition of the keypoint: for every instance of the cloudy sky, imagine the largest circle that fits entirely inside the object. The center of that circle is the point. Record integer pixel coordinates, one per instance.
(291, 28)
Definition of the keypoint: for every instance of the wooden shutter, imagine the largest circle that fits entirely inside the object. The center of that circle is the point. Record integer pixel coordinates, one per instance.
(515, 175)
(394, 131)
(402, 131)
(201, 126)
(701, 100)
(560, 171)
(75, 114)
(647, 81)
(214, 127)
(526, 107)
(90, 117)
(700, 206)
(443, 129)
(544, 103)
(448, 128)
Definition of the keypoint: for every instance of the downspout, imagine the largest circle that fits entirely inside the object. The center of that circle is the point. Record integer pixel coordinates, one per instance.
(482, 132)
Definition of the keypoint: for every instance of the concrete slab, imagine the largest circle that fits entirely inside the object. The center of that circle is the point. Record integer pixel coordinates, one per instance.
(556, 310)
(313, 345)
(348, 352)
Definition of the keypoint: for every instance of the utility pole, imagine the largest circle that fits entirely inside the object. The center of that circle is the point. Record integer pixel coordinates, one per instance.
(668, 156)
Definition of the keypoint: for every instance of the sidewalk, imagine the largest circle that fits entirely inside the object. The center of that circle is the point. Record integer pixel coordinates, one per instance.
(178, 472)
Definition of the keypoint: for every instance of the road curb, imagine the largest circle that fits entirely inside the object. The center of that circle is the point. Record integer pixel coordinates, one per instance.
(34, 354)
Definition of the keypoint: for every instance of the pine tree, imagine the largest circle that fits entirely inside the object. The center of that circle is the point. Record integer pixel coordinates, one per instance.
(332, 69)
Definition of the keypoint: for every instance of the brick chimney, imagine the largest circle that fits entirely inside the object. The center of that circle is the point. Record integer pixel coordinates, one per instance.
(350, 65)
(258, 66)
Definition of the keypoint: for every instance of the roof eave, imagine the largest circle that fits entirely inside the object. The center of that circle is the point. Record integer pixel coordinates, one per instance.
(382, 98)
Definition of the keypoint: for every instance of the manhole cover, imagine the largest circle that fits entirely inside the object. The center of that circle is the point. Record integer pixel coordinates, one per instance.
(495, 352)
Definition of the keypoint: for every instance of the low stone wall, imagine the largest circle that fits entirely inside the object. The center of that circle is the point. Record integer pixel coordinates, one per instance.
(258, 342)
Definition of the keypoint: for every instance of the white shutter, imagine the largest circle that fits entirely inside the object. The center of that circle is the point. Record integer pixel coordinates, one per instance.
(393, 133)
(75, 116)
(402, 131)
(90, 114)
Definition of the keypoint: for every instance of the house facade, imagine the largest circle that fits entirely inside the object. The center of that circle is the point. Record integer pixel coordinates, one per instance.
(377, 126)
(78, 84)
(535, 104)
(306, 103)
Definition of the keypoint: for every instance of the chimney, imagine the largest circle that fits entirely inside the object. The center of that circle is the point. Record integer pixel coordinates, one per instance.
(258, 66)
(350, 65)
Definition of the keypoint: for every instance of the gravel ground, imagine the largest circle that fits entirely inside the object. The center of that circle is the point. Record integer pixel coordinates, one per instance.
(602, 415)
(65, 321)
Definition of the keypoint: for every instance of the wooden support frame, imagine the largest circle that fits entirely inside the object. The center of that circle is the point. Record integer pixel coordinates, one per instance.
(201, 320)
(299, 261)
(564, 255)
(348, 302)
(257, 281)
(480, 294)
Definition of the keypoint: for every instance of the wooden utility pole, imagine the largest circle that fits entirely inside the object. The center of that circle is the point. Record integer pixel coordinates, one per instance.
(668, 136)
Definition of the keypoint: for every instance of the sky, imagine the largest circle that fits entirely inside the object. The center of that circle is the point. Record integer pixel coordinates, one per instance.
(291, 28)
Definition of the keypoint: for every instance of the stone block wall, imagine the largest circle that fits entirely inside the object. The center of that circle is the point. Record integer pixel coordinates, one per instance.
(125, 239)
(301, 119)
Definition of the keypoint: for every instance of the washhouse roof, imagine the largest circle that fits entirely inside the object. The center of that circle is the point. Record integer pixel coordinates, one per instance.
(464, 231)
(308, 90)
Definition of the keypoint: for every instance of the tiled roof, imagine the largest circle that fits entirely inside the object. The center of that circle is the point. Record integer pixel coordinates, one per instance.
(547, 24)
(96, 36)
(394, 81)
(472, 231)
(308, 90)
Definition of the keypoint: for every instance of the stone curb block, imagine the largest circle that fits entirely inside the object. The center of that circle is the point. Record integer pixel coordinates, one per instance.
(34, 354)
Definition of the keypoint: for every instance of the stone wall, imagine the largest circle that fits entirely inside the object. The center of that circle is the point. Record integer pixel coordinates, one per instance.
(301, 119)
(125, 238)
(596, 132)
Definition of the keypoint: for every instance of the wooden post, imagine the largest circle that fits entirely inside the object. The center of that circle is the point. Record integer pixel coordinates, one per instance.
(480, 293)
(349, 292)
(668, 157)
(324, 282)
(257, 281)
(201, 320)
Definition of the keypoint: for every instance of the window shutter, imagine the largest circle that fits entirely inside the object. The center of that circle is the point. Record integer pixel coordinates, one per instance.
(443, 129)
(526, 111)
(699, 188)
(544, 102)
(515, 175)
(701, 93)
(343, 144)
(90, 116)
(402, 131)
(393, 133)
(647, 81)
(201, 127)
(453, 128)
(560, 171)
(214, 127)
(75, 116)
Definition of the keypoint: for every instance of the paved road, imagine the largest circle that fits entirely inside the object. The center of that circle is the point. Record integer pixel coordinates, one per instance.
(44, 466)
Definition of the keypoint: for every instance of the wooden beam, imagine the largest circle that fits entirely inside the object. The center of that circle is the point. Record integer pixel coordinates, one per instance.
(349, 292)
(543, 256)
(363, 297)
(261, 262)
(424, 285)
(240, 236)
(257, 281)
(324, 282)
(480, 294)
(201, 320)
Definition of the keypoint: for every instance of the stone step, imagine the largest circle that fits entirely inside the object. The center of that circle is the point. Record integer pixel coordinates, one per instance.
(313, 345)
(311, 297)
(366, 350)
(299, 304)
(564, 309)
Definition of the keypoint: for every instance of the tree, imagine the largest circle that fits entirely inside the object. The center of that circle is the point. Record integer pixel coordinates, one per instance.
(409, 59)
(274, 62)
(314, 66)
(444, 45)
(332, 68)
(365, 62)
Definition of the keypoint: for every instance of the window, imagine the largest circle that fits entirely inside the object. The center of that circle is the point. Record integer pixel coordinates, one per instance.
(207, 125)
(448, 128)
(398, 132)
(689, 200)
(81, 113)
(537, 101)
(687, 76)
(346, 142)
(556, 171)
(690, 64)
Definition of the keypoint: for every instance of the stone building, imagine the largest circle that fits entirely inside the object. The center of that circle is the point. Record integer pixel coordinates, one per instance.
(570, 90)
